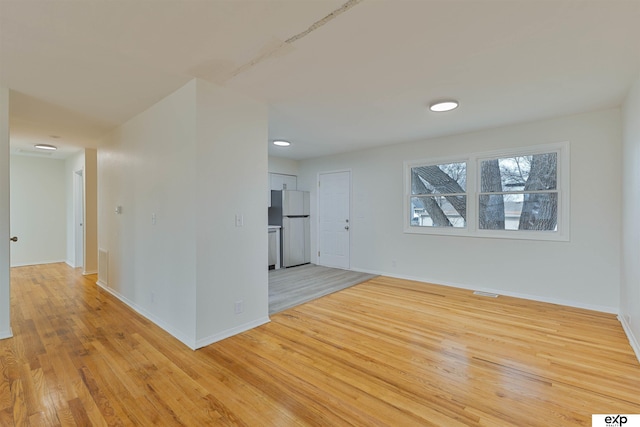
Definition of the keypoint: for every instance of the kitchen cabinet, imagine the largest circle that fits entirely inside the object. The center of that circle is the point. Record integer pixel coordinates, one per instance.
(280, 181)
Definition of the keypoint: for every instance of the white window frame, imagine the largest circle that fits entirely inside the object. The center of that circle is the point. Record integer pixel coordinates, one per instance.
(451, 231)
(473, 185)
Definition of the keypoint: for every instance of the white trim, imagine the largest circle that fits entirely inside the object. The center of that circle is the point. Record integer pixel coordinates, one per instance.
(87, 273)
(568, 303)
(6, 334)
(633, 341)
(144, 313)
(203, 342)
(447, 231)
(39, 263)
(472, 193)
(193, 345)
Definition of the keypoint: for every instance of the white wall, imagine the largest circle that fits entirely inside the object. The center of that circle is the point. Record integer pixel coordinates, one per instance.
(630, 290)
(231, 177)
(283, 166)
(583, 272)
(5, 297)
(192, 161)
(38, 210)
(148, 167)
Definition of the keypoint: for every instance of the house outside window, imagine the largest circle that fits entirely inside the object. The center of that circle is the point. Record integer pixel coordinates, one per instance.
(522, 194)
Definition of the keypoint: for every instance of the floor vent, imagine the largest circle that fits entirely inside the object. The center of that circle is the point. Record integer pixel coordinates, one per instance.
(103, 267)
(485, 294)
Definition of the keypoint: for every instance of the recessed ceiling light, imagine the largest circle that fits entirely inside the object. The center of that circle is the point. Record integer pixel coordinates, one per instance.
(281, 143)
(46, 147)
(440, 106)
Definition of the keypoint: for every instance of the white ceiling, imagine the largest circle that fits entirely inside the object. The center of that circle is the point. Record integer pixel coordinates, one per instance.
(337, 76)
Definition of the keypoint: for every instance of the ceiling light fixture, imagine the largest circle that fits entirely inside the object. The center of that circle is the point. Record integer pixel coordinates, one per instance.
(281, 143)
(445, 105)
(46, 147)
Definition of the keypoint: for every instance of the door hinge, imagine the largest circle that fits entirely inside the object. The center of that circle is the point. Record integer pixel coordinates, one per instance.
(318, 253)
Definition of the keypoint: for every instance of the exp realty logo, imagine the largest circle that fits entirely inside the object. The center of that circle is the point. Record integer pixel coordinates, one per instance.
(615, 420)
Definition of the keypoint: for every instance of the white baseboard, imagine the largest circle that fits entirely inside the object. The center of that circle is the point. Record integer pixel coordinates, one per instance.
(231, 332)
(183, 338)
(635, 345)
(84, 273)
(568, 303)
(6, 334)
(25, 264)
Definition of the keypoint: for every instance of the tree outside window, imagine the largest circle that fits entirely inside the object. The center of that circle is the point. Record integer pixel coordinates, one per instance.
(439, 198)
(519, 193)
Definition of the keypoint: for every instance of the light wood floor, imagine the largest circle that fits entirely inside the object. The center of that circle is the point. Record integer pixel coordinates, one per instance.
(384, 352)
(289, 287)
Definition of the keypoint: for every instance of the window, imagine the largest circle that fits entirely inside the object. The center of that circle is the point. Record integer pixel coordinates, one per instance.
(438, 195)
(521, 194)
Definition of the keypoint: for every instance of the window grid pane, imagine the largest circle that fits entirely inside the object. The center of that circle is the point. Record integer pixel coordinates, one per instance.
(537, 172)
(448, 178)
(437, 211)
(522, 211)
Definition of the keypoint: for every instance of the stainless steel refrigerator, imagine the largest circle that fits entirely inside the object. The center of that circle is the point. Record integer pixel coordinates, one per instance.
(290, 210)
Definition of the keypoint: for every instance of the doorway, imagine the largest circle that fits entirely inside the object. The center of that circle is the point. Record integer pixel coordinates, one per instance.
(334, 227)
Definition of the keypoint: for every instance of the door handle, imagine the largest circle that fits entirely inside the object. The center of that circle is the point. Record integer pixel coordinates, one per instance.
(14, 239)
(346, 227)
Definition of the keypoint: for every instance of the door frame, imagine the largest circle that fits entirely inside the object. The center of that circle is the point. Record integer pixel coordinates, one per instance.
(78, 218)
(317, 223)
(5, 252)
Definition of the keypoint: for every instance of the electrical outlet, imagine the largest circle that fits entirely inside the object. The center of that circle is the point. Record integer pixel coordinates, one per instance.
(153, 219)
(238, 307)
(394, 264)
(239, 220)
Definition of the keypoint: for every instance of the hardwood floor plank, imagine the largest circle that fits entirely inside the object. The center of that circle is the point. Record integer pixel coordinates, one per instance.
(385, 352)
(79, 414)
(20, 411)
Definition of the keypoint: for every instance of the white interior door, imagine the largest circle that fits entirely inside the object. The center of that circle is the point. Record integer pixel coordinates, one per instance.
(334, 219)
